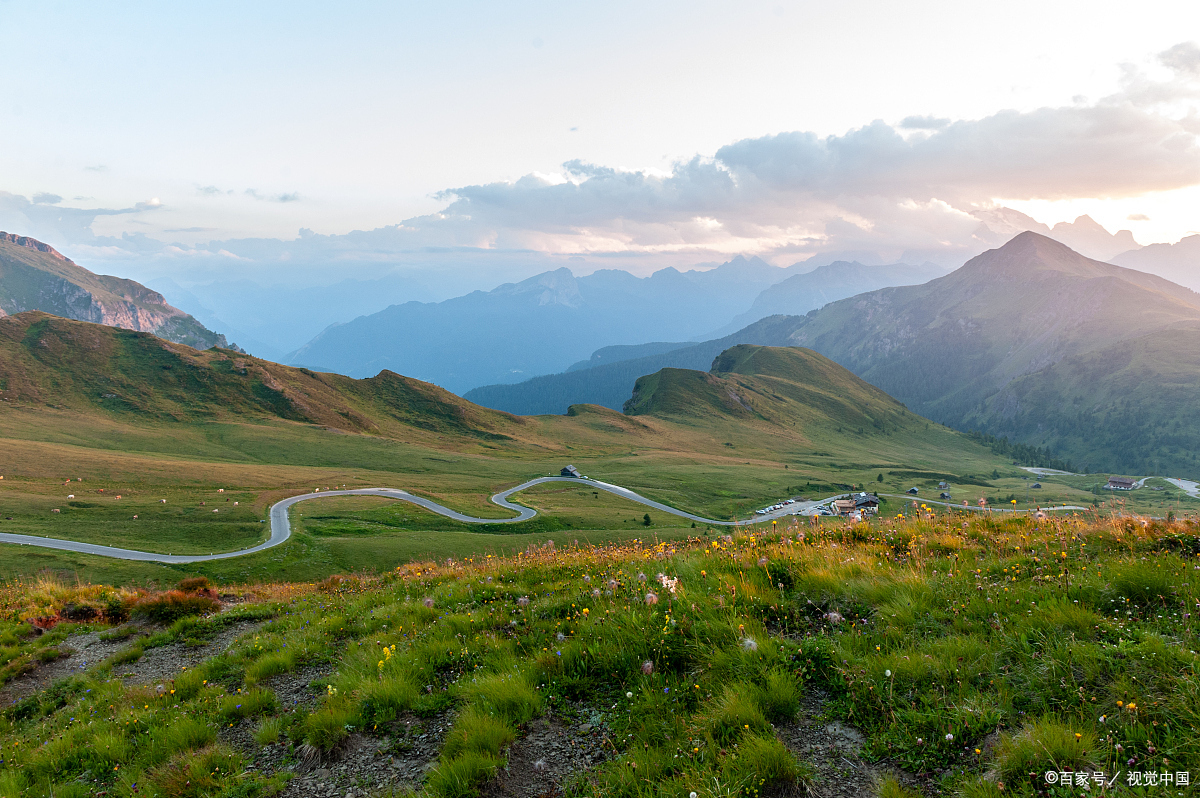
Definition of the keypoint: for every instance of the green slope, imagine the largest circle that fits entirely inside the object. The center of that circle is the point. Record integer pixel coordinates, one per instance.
(90, 369)
(33, 276)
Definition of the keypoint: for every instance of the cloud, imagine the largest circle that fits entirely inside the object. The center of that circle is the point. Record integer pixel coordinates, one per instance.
(47, 199)
(286, 197)
(97, 168)
(1137, 217)
(149, 205)
(923, 123)
(190, 230)
(924, 187)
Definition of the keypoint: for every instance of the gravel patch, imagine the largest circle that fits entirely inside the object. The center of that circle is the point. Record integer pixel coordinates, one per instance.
(833, 750)
(547, 754)
(81, 651)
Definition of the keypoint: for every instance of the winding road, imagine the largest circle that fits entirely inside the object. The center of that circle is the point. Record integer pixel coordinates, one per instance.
(281, 529)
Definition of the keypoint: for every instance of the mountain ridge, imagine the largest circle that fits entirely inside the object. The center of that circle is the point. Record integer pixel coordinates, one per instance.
(35, 276)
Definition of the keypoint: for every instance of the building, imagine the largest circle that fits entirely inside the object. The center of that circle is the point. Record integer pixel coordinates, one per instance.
(866, 503)
(1120, 483)
(571, 471)
(913, 491)
(943, 485)
(945, 496)
(843, 506)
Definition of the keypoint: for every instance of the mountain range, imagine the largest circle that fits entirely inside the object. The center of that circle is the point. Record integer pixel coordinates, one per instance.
(35, 276)
(552, 321)
(1031, 340)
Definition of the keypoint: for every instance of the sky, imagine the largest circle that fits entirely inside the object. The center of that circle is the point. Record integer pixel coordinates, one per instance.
(156, 139)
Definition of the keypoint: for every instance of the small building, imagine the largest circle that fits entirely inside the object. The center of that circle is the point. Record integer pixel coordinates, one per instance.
(943, 484)
(843, 506)
(1120, 483)
(571, 471)
(866, 503)
(945, 496)
(913, 491)
(1036, 485)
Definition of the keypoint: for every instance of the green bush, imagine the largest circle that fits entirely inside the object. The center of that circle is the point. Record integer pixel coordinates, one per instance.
(461, 777)
(736, 712)
(778, 696)
(509, 695)
(475, 731)
(247, 704)
(1043, 745)
(328, 726)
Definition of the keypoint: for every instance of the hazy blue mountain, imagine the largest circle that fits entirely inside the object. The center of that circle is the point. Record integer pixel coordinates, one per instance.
(800, 293)
(537, 326)
(610, 384)
(1179, 262)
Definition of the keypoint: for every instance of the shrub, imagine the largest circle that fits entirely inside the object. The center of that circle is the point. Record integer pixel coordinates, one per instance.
(384, 700)
(185, 734)
(194, 584)
(736, 711)
(1044, 745)
(203, 773)
(328, 726)
(762, 763)
(247, 704)
(890, 787)
(268, 731)
(778, 696)
(269, 665)
(477, 732)
(461, 777)
(509, 695)
(173, 605)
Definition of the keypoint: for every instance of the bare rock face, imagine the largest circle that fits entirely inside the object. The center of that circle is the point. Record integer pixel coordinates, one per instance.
(35, 276)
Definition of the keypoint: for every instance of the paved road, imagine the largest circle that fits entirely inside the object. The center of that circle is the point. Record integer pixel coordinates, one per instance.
(281, 529)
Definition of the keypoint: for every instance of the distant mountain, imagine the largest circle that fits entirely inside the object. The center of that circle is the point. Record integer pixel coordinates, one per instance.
(34, 276)
(801, 293)
(1178, 262)
(1084, 235)
(610, 383)
(1035, 341)
(538, 326)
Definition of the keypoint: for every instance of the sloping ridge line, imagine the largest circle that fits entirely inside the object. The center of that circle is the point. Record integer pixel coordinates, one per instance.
(281, 529)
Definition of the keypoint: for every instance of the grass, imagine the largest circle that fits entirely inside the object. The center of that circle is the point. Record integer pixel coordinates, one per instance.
(979, 651)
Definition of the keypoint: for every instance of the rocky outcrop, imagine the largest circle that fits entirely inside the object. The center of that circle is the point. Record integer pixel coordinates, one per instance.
(35, 276)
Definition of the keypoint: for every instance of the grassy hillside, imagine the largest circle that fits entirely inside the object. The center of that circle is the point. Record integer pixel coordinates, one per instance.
(960, 656)
(950, 347)
(33, 276)
(138, 417)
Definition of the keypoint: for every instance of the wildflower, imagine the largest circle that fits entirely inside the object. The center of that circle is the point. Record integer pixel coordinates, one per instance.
(949, 738)
(651, 599)
(647, 667)
(628, 695)
(585, 609)
(920, 741)
(587, 578)
(612, 584)
(595, 594)
(428, 603)
(539, 765)
(1103, 718)
(888, 674)
(692, 794)
(748, 644)
(834, 617)
(762, 562)
(641, 577)
(523, 601)
(560, 637)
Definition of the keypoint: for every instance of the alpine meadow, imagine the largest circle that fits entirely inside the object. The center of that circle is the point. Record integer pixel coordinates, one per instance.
(628, 401)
